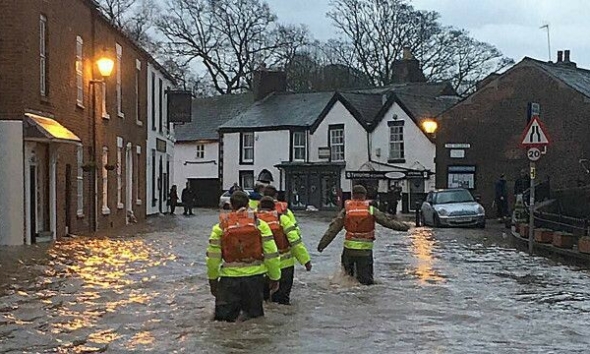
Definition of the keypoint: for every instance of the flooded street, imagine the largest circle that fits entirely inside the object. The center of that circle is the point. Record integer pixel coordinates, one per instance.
(442, 291)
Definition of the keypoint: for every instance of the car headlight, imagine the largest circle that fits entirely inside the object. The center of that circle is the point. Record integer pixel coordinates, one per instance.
(442, 212)
(481, 210)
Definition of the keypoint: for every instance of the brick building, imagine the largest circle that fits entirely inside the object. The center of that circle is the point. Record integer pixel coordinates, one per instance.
(479, 138)
(70, 145)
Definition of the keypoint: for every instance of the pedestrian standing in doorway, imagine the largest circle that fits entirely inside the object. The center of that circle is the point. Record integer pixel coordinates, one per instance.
(187, 199)
(173, 199)
(393, 198)
(501, 198)
(358, 219)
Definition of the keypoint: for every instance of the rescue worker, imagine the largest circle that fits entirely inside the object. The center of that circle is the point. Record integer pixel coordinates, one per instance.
(280, 207)
(290, 247)
(241, 252)
(255, 196)
(358, 219)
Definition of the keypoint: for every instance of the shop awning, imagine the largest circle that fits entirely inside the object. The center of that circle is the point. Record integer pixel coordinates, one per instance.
(47, 130)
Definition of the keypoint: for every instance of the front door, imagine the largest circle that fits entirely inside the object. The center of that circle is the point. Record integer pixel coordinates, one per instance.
(33, 205)
(416, 189)
(68, 201)
(315, 190)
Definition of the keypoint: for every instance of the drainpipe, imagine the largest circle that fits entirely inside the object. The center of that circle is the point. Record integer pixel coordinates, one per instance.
(93, 153)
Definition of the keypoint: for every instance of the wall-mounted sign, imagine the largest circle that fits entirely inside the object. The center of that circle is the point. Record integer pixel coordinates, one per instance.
(395, 175)
(457, 153)
(160, 145)
(458, 146)
(386, 174)
(324, 152)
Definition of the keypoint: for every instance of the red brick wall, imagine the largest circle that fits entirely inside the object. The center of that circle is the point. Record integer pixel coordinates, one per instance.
(19, 84)
(492, 121)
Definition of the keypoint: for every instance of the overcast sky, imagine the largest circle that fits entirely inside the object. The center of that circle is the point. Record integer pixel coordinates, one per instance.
(511, 25)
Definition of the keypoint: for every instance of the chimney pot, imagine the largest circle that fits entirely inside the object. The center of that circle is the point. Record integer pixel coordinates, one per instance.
(566, 56)
(559, 56)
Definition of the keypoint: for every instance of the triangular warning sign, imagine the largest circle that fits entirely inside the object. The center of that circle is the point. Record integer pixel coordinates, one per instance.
(535, 134)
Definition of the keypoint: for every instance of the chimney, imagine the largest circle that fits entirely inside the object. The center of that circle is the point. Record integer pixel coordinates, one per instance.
(566, 56)
(559, 56)
(265, 82)
(565, 59)
(407, 69)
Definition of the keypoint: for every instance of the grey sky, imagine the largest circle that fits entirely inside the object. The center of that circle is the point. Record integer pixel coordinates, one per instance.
(511, 25)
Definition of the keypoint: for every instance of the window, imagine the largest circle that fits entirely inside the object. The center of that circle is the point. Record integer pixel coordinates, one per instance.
(200, 151)
(80, 181)
(336, 140)
(119, 172)
(137, 96)
(247, 150)
(247, 179)
(138, 182)
(396, 141)
(153, 99)
(105, 182)
(461, 177)
(43, 55)
(299, 146)
(119, 79)
(154, 200)
(160, 96)
(79, 71)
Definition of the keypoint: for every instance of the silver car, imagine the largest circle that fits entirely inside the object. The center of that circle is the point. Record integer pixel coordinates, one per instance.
(224, 199)
(452, 207)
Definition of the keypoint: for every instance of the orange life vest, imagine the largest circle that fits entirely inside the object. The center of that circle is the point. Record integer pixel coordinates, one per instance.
(273, 219)
(241, 241)
(281, 207)
(358, 222)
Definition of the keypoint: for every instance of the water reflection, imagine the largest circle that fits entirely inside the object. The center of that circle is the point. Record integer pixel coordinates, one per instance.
(422, 245)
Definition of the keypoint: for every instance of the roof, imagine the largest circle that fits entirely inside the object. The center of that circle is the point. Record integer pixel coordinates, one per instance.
(211, 112)
(367, 105)
(282, 110)
(577, 78)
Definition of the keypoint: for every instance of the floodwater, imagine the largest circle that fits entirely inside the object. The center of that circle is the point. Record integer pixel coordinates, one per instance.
(442, 291)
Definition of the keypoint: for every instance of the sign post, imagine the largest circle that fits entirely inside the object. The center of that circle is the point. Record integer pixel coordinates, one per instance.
(534, 136)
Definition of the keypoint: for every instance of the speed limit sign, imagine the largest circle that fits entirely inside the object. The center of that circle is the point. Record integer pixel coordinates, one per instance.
(533, 154)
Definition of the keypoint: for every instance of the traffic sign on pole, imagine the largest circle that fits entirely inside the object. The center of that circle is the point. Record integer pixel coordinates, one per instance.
(535, 134)
(534, 154)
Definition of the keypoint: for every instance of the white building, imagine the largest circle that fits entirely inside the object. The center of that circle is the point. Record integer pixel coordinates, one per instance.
(318, 145)
(196, 152)
(160, 143)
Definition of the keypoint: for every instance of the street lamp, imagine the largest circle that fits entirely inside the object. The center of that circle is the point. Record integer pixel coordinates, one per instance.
(430, 126)
(105, 67)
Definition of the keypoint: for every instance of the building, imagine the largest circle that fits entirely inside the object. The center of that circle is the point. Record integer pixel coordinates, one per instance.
(160, 141)
(479, 138)
(196, 157)
(315, 146)
(72, 141)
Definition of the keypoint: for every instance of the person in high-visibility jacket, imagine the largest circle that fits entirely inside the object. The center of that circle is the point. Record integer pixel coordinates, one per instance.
(241, 252)
(358, 219)
(280, 207)
(255, 196)
(290, 247)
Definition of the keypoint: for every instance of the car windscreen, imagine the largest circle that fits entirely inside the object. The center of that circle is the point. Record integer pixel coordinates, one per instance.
(458, 196)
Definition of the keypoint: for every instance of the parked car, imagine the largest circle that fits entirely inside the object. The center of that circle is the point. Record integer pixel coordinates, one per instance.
(224, 199)
(452, 207)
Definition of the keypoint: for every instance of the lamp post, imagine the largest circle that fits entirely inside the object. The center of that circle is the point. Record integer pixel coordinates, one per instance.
(105, 67)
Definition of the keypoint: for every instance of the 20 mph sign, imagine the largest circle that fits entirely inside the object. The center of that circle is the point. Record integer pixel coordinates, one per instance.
(534, 154)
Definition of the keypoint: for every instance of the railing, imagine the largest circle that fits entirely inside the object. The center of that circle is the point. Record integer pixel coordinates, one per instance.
(559, 222)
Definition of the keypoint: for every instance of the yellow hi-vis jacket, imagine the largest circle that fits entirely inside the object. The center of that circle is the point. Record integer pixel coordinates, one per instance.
(253, 204)
(270, 266)
(298, 250)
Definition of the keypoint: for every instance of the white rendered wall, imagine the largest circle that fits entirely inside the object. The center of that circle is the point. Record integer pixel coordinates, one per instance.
(12, 209)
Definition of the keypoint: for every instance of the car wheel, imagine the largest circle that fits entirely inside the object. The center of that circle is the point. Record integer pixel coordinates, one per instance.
(436, 221)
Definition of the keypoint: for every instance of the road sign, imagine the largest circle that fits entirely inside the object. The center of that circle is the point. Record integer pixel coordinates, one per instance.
(535, 134)
(534, 154)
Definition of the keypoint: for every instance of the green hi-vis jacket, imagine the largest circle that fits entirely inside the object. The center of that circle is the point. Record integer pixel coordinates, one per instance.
(253, 204)
(298, 249)
(271, 265)
(362, 247)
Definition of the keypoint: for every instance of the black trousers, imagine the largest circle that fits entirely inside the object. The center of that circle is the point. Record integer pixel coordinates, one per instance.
(172, 208)
(188, 209)
(392, 207)
(358, 266)
(283, 295)
(239, 294)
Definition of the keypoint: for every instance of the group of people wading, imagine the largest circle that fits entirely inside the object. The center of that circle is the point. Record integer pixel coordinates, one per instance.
(253, 249)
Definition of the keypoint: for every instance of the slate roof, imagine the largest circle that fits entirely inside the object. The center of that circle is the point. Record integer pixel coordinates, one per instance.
(368, 105)
(576, 78)
(209, 113)
(282, 110)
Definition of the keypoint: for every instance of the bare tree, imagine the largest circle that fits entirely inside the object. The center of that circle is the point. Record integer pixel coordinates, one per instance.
(117, 10)
(376, 31)
(231, 38)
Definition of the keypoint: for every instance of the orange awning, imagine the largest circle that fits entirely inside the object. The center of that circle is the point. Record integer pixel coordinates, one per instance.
(44, 129)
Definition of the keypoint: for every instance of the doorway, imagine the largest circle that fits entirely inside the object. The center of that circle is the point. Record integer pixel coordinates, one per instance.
(33, 204)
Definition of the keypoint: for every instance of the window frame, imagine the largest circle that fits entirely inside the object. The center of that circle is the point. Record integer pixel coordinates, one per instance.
(80, 182)
(153, 100)
(138, 200)
(105, 181)
(246, 173)
(200, 151)
(80, 71)
(43, 82)
(333, 128)
(295, 147)
(119, 75)
(400, 144)
(138, 120)
(243, 148)
(120, 173)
